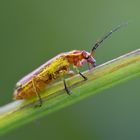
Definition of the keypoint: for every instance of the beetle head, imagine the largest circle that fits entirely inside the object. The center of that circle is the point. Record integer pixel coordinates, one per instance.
(88, 58)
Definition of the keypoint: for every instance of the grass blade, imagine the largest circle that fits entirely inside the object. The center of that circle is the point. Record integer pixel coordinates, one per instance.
(111, 73)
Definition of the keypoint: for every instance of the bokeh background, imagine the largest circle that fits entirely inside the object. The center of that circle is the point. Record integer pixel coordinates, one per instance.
(33, 31)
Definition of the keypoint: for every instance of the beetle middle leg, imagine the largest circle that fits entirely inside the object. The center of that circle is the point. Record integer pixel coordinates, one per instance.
(66, 87)
(63, 73)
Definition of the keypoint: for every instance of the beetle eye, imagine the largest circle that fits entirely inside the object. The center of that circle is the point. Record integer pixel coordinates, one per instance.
(86, 56)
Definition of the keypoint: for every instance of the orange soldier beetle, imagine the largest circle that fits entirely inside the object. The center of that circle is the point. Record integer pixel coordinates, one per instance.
(57, 67)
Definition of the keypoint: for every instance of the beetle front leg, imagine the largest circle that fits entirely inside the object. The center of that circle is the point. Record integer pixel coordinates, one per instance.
(84, 77)
(77, 70)
(91, 66)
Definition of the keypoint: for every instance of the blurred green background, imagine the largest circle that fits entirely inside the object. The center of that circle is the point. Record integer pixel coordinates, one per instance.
(33, 31)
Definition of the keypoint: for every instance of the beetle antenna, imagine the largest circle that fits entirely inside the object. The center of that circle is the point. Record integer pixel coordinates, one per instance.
(97, 44)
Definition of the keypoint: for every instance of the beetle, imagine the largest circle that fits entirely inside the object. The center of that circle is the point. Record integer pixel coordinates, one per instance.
(57, 67)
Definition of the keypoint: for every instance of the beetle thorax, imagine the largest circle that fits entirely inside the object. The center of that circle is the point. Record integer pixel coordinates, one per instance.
(79, 58)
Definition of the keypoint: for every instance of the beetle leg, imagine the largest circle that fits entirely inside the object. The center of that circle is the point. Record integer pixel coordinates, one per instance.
(37, 93)
(90, 66)
(84, 77)
(66, 87)
(63, 73)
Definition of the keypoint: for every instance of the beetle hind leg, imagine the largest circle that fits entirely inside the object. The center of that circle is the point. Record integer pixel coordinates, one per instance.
(37, 93)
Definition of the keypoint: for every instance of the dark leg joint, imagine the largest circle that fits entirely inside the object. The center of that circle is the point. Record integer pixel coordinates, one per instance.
(84, 77)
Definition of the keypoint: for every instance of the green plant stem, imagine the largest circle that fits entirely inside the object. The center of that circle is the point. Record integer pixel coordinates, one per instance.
(20, 112)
